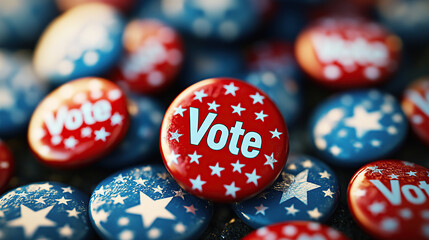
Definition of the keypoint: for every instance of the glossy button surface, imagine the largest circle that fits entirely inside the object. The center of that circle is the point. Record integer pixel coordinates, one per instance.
(44, 210)
(355, 127)
(6, 165)
(78, 122)
(348, 52)
(146, 203)
(390, 199)
(223, 139)
(298, 230)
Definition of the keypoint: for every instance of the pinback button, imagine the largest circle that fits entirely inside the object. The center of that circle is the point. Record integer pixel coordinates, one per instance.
(356, 127)
(298, 230)
(154, 55)
(347, 52)
(416, 107)
(389, 199)
(146, 203)
(142, 137)
(6, 165)
(44, 210)
(223, 139)
(78, 123)
(80, 43)
(20, 92)
(306, 190)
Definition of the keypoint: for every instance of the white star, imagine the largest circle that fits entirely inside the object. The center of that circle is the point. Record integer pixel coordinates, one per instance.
(62, 200)
(45, 186)
(119, 199)
(335, 150)
(66, 231)
(195, 157)
(141, 181)
(257, 98)
(101, 134)
(73, 213)
(260, 209)
(153, 233)
(359, 193)
(86, 132)
(375, 143)
(291, 167)
(179, 228)
(55, 140)
(307, 163)
(173, 157)
(213, 106)
(406, 213)
(376, 208)
(389, 224)
(100, 191)
(261, 116)
(197, 183)
(364, 121)
(119, 178)
(276, 134)
(179, 110)
(324, 174)
(158, 189)
(175, 135)
(180, 194)
(299, 188)
(252, 177)
(237, 109)
(116, 119)
(315, 214)
(150, 209)
(411, 173)
(375, 169)
(291, 210)
(70, 142)
(231, 189)
(393, 176)
(410, 164)
(270, 160)
(392, 130)
(40, 200)
(67, 190)
(31, 220)
(230, 89)
(199, 95)
(328, 193)
(216, 169)
(237, 166)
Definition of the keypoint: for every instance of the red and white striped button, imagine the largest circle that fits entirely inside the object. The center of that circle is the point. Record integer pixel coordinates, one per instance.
(78, 122)
(224, 140)
(6, 165)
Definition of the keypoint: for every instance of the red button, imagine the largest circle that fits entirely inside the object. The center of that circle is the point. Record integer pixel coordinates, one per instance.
(6, 165)
(153, 57)
(390, 199)
(347, 52)
(224, 140)
(296, 230)
(271, 55)
(416, 106)
(78, 122)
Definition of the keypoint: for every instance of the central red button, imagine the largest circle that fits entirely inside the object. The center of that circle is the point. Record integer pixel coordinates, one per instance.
(224, 140)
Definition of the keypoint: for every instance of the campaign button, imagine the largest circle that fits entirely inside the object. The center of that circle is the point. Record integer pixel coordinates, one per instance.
(78, 122)
(6, 165)
(146, 203)
(296, 230)
(390, 199)
(44, 210)
(223, 139)
(153, 57)
(348, 52)
(355, 127)
(416, 107)
(306, 190)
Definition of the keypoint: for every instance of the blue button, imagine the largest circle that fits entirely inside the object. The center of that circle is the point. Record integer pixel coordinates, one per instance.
(146, 203)
(307, 190)
(20, 92)
(46, 210)
(142, 139)
(356, 127)
(282, 89)
(80, 43)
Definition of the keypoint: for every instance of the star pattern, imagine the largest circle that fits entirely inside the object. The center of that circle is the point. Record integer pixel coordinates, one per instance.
(199, 95)
(31, 220)
(257, 98)
(191, 209)
(216, 169)
(195, 157)
(197, 183)
(261, 209)
(175, 135)
(252, 177)
(213, 106)
(230, 89)
(231, 189)
(291, 210)
(101, 134)
(237, 166)
(270, 160)
(261, 116)
(237, 109)
(276, 134)
(116, 119)
(179, 110)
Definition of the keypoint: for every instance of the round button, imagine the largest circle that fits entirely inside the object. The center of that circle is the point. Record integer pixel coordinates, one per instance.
(44, 210)
(224, 140)
(347, 52)
(296, 230)
(390, 199)
(353, 128)
(80, 43)
(6, 165)
(78, 122)
(146, 203)
(416, 107)
(307, 189)
(154, 55)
